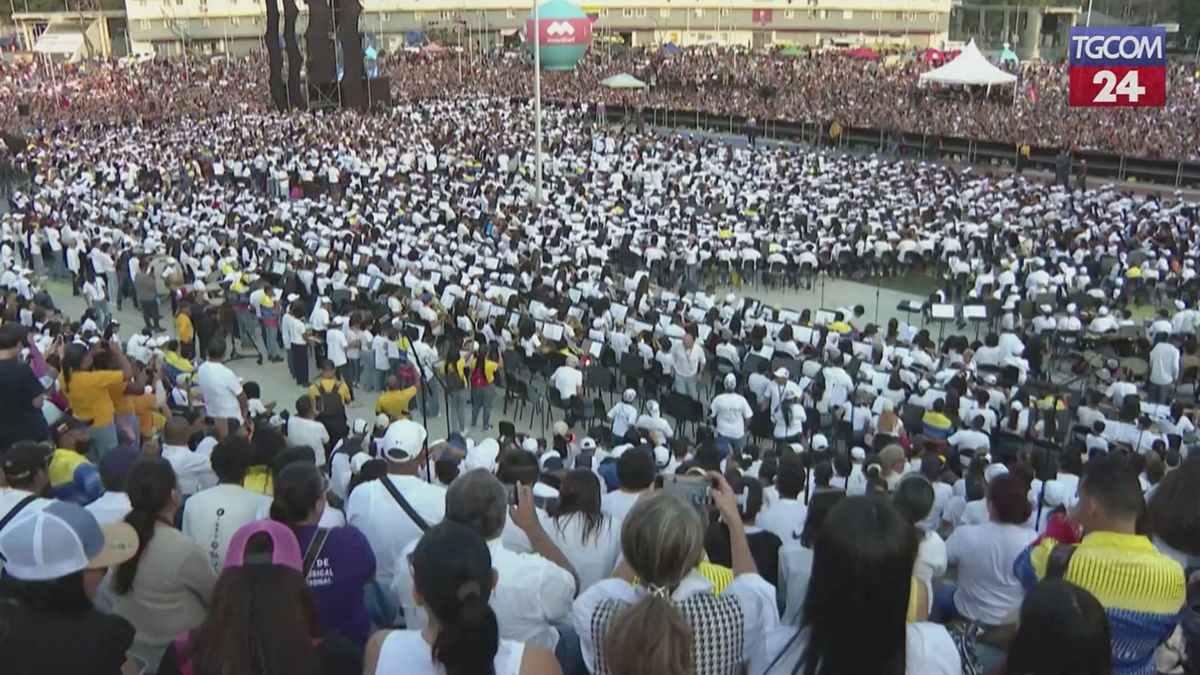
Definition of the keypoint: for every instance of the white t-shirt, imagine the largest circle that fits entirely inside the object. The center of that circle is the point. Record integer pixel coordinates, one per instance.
(618, 503)
(111, 507)
(405, 652)
(337, 342)
(795, 569)
(567, 381)
(931, 558)
(373, 510)
(988, 591)
(593, 559)
(785, 518)
(212, 516)
(731, 412)
(929, 650)
(221, 388)
(303, 431)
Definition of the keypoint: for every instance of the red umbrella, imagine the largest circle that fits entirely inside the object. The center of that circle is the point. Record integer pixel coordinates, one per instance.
(932, 55)
(863, 52)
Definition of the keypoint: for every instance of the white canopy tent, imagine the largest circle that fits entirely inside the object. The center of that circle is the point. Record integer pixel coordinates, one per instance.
(969, 67)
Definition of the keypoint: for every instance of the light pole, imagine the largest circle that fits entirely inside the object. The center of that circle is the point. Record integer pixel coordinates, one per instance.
(537, 102)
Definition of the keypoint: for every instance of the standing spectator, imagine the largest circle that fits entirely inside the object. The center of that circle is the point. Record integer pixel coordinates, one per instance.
(1063, 629)
(211, 516)
(338, 561)
(224, 400)
(146, 289)
(1141, 589)
(731, 411)
(22, 395)
(670, 621)
(687, 362)
(262, 617)
(92, 391)
(453, 579)
(164, 589)
(484, 367)
(1164, 368)
(55, 559)
(304, 430)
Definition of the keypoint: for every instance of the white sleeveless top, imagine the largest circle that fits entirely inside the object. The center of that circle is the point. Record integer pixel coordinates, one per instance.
(405, 652)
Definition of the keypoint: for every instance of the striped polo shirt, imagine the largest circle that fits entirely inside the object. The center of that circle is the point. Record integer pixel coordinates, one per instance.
(1142, 591)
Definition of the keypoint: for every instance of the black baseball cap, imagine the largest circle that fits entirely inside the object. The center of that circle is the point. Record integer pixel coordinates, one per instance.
(23, 460)
(67, 423)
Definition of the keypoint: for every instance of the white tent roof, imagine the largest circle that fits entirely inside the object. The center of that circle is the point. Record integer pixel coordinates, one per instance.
(969, 67)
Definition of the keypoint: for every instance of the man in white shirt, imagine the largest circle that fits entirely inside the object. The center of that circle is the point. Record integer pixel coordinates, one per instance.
(113, 505)
(1164, 368)
(635, 475)
(731, 411)
(785, 516)
(295, 338)
(533, 591)
(212, 515)
(568, 379)
(972, 438)
(224, 399)
(376, 512)
(304, 429)
(687, 362)
(192, 469)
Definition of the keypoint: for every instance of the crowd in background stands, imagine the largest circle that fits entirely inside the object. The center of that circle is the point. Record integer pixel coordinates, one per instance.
(762, 85)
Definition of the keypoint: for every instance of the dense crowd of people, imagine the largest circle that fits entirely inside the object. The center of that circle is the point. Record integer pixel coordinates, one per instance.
(821, 89)
(707, 481)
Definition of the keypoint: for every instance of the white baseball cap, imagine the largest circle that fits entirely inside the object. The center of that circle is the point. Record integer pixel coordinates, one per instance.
(63, 539)
(402, 441)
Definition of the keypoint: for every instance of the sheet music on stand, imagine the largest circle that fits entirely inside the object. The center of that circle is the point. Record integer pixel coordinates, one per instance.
(823, 317)
(278, 267)
(704, 331)
(595, 348)
(596, 335)
(619, 311)
(975, 312)
(553, 331)
(804, 335)
(942, 312)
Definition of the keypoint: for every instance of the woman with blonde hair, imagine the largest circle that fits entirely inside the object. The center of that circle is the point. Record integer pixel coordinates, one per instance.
(659, 615)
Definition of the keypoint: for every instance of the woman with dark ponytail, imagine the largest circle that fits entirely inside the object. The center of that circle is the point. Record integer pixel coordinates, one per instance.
(453, 580)
(338, 561)
(164, 590)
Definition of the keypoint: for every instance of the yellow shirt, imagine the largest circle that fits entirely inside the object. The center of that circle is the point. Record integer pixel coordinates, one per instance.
(143, 405)
(91, 394)
(183, 326)
(840, 327)
(258, 479)
(327, 385)
(395, 403)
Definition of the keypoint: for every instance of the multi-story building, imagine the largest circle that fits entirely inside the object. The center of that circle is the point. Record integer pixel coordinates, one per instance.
(237, 26)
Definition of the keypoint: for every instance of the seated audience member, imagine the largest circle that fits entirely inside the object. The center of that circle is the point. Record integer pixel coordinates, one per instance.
(658, 615)
(453, 579)
(262, 618)
(862, 566)
(1140, 588)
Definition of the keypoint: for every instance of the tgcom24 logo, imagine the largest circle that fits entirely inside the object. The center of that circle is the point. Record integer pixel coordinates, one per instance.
(1120, 66)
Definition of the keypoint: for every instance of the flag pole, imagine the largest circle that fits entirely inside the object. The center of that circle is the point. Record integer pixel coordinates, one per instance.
(537, 101)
